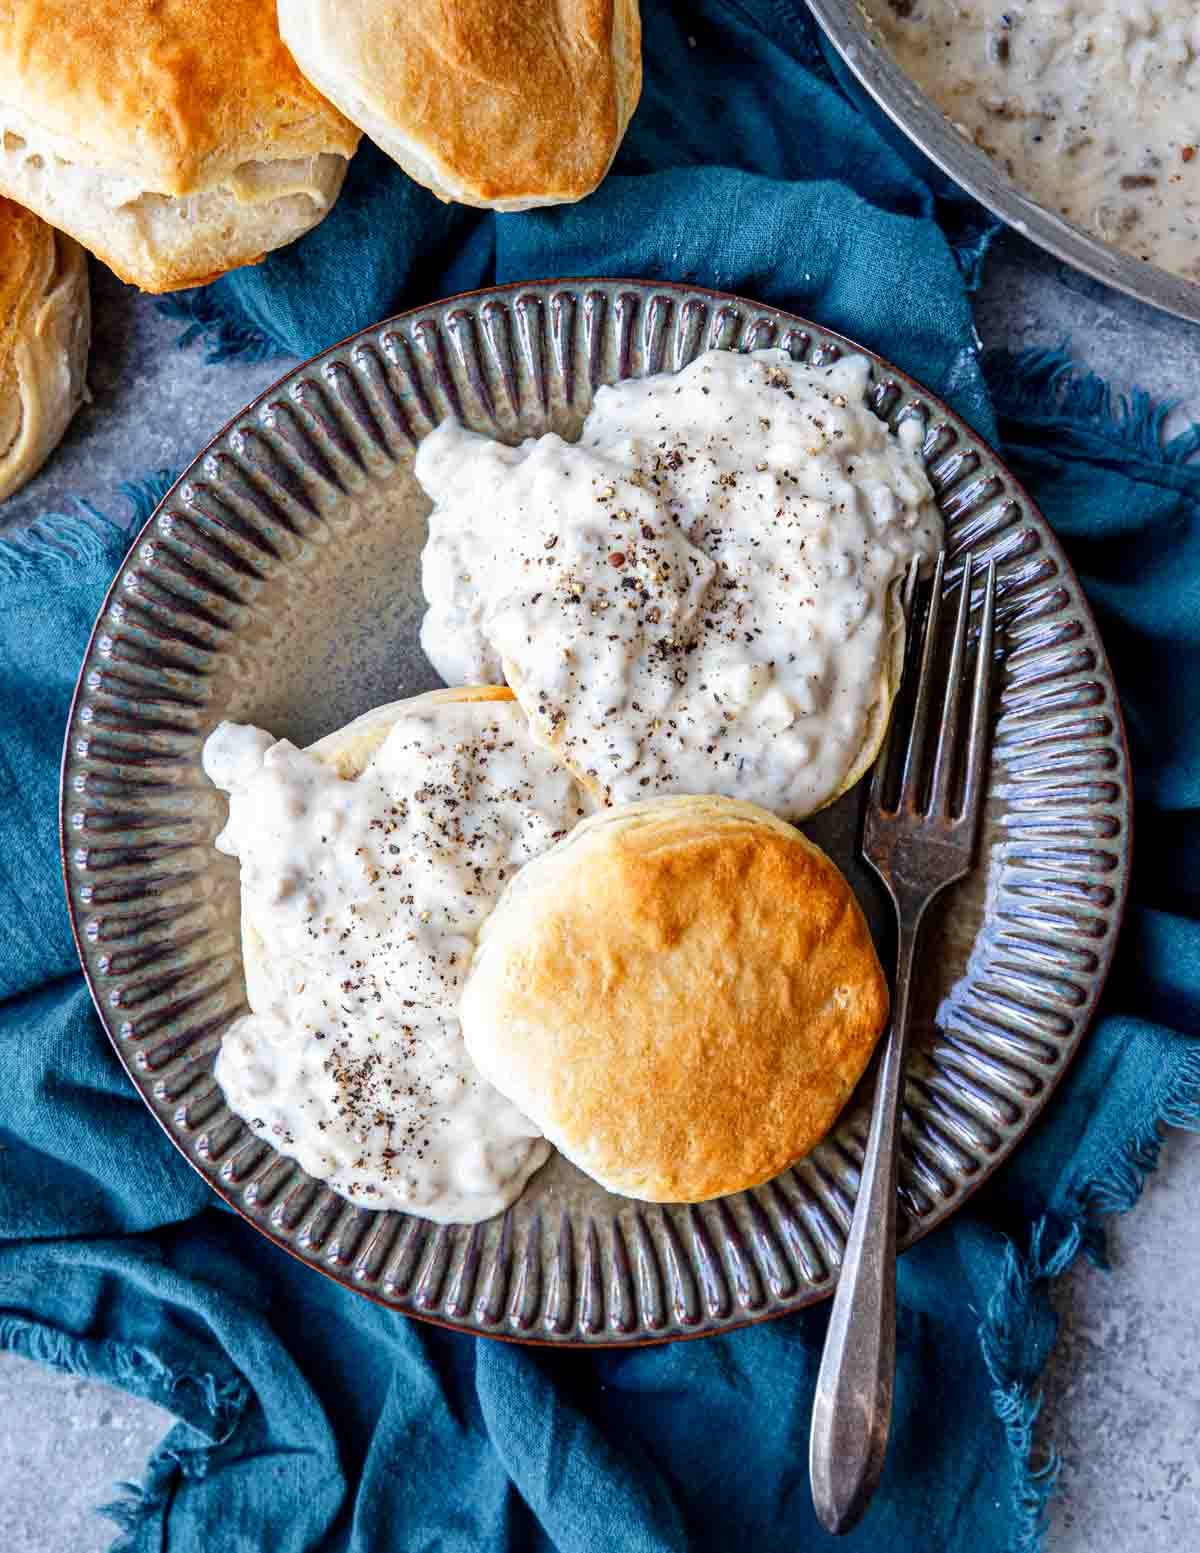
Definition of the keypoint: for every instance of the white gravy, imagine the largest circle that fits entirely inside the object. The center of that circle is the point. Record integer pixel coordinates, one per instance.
(1091, 106)
(361, 900)
(695, 597)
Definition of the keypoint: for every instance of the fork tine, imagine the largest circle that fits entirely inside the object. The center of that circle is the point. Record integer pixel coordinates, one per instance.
(980, 703)
(943, 760)
(910, 786)
(883, 761)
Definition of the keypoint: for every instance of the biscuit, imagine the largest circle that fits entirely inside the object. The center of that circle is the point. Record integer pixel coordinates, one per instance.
(682, 994)
(45, 329)
(176, 140)
(501, 105)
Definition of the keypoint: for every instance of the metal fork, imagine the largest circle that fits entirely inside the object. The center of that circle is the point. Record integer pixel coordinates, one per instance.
(918, 846)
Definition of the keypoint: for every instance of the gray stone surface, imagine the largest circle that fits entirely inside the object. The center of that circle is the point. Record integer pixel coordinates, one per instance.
(1029, 299)
(64, 1446)
(1123, 1388)
(152, 407)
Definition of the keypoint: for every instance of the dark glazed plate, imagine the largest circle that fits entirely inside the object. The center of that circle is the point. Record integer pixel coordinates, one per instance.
(278, 583)
(849, 28)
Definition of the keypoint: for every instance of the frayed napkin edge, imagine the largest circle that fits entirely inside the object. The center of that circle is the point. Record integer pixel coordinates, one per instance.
(61, 542)
(140, 1510)
(1045, 390)
(214, 320)
(1054, 1245)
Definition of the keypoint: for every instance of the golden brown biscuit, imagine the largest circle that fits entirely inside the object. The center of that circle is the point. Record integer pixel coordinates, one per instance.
(504, 105)
(45, 327)
(682, 995)
(174, 138)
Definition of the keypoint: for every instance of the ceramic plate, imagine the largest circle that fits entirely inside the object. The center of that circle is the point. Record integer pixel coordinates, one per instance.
(851, 32)
(278, 584)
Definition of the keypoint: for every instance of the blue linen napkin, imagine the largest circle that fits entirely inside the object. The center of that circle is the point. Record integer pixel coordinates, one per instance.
(308, 1418)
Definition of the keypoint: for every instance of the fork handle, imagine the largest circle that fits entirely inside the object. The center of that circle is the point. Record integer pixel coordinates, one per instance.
(852, 1411)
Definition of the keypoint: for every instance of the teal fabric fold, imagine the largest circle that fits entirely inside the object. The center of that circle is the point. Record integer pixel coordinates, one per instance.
(307, 1418)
